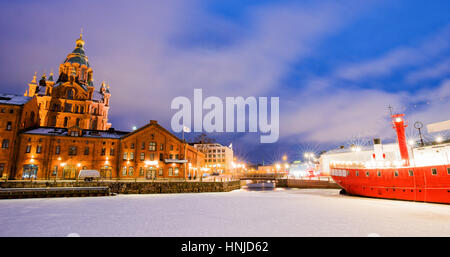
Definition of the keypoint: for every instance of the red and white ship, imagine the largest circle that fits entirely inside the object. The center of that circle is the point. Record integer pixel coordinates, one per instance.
(397, 171)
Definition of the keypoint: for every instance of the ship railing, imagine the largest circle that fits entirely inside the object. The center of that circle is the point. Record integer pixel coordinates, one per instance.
(384, 164)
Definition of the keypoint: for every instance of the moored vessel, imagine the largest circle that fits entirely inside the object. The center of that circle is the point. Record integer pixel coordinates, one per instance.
(397, 171)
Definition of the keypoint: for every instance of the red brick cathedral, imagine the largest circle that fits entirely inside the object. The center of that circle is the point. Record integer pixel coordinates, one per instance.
(59, 128)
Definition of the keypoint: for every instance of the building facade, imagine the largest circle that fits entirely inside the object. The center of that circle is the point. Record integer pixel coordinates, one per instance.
(59, 128)
(218, 158)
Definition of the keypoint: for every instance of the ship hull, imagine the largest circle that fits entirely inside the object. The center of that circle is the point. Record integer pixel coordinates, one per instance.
(422, 184)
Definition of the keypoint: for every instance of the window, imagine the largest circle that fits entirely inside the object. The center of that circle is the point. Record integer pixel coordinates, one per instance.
(357, 173)
(130, 171)
(161, 157)
(66, 120)
(171, 147)
(125, 156)
(67, 107)
(141, 171)
(132, 156)
(124, 170)
(73, 150)
(103, 151)
(132, 146)
(143, 145)
(367, 173)
(161, 147)
(58, 149)
(448, 171)
(379, 173)
(86, 151)
(2, 168)
(152, 157)
(170, 171)
(9, 125)
(176, 171)
(160, 171)
(39, 149)
(55, 170)
(70, 94)
(152, 146)
(5, 143)
(170, 156)
(142, 156)
(410, 173)
(28, 149)
(111, 152)
(433, 171)
(396, 173)
(176, 156)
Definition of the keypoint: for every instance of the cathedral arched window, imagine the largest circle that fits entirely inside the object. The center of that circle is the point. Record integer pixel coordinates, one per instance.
(32, 117)
(70, 94)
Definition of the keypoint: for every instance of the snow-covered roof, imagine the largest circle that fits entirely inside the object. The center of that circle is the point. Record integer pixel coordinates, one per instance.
(13, 99)
(86, 133)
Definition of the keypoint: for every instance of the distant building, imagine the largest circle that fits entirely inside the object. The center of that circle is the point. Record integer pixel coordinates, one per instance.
(218, 158)
(59, 128)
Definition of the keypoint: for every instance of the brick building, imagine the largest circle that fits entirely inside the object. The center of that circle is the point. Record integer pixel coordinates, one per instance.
(59, 128)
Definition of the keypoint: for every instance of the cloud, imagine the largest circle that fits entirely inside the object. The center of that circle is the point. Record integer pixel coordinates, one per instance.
(395, 59)
(436, 71)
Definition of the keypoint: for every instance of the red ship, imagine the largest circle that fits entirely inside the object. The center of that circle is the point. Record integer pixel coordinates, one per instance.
(419, 173)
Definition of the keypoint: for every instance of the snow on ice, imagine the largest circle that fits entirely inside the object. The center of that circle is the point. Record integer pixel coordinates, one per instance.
(282, 212)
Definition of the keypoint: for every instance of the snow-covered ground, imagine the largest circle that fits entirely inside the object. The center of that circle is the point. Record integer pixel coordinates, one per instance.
(282, 212)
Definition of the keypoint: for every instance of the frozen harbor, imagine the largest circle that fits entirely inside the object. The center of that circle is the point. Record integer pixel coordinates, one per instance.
(281, 212)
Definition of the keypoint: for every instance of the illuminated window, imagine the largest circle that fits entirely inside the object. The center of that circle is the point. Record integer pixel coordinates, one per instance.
(152, 146)
(142, 156)
(39, 149)
(125, 156)
(130, 170)
(176, 171)
(124, 170)
(132, 156)
(9, 125)
(28, 149)
(170, 171)
(160, 171)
